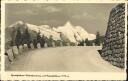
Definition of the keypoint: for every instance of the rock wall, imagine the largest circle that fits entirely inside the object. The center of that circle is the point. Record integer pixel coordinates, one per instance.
(114, 42)
(14, 53)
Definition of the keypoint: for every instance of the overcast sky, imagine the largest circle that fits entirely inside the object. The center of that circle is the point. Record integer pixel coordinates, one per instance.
(92, 17)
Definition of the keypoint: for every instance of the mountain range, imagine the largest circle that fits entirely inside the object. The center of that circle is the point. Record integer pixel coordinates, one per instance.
(67, 32)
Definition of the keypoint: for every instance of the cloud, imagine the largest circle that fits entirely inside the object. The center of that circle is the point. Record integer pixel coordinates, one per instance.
(76, 16)
(27, 11)
(37, 5)
(97, 16)
(83, 15)
(52, 9)
(49, 21)
(88, 16)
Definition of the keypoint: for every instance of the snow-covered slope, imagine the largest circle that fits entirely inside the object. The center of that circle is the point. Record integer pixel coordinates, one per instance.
(44, 30)
(75, 33)
(68, 32)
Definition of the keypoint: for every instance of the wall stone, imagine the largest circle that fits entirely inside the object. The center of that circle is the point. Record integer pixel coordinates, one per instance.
(114, 42)
(20, 49)
(38, 45)
(32, 46)
(15, 51)
(7, 62)
(10, 54)
(25, 46)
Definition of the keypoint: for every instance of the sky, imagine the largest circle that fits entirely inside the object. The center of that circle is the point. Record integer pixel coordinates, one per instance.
(92, 17)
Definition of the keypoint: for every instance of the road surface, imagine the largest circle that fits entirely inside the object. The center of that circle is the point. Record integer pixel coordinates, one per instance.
(63, 59)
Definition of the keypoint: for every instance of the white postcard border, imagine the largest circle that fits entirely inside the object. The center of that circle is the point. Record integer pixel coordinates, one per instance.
(72, 75)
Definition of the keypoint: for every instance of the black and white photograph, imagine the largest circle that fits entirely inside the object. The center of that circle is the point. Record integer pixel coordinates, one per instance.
(66, 37)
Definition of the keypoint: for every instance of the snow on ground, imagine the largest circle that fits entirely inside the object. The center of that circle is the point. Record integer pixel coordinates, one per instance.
(63, 59)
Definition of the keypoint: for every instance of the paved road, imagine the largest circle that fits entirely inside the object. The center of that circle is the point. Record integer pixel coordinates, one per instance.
(62, 59)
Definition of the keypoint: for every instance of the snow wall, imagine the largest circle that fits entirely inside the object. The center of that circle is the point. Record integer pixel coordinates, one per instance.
(114, 42)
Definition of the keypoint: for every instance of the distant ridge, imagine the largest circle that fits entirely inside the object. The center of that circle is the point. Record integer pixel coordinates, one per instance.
(74, 34)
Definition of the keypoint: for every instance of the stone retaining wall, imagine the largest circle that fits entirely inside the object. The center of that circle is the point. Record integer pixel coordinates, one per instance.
(114, 42)
(13, 53)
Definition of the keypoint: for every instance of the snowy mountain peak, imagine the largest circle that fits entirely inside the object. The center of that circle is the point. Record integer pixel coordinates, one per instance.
(75, 33)
(20, 22)
(17, 24)
(68, 24)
